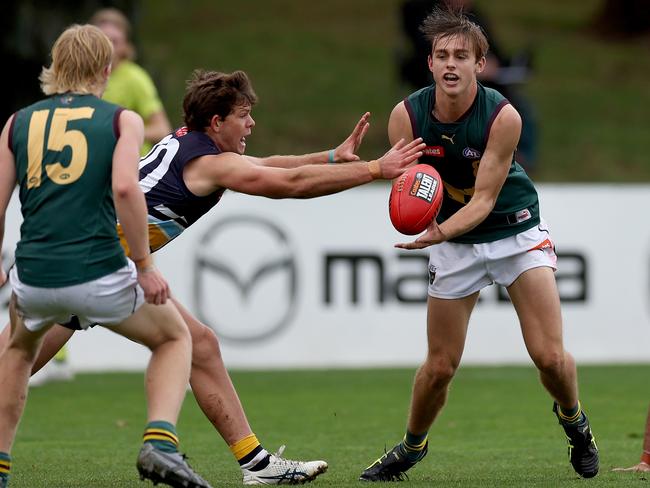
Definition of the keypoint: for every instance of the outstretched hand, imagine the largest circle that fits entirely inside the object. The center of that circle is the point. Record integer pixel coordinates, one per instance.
(638, 468)
(433, 235)
(400, 157)
(347, 150)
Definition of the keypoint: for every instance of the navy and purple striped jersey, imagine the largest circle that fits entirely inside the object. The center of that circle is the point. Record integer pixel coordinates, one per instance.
(172, 207)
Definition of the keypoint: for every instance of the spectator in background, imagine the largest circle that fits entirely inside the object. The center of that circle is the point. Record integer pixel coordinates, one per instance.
(644, 463)
(502, 73)
(129, 85)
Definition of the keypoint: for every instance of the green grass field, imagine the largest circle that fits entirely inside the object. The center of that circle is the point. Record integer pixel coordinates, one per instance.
(496, 431)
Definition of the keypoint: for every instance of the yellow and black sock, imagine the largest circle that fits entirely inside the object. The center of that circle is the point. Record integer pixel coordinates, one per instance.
(5, 465)
(412, 446)
(572, 415)
(250, 454)
(162, 435)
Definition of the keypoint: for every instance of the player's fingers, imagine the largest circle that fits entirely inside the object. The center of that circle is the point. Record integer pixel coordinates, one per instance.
(150, 297)
(364, 130)
(165, 293)
(414, 156)
(358, 128)
(416, 144)
(160, 297)
(398, 145)
(409, 245)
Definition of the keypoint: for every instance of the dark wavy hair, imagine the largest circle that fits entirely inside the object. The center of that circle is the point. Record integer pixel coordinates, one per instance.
(446, 22)
(211, 93)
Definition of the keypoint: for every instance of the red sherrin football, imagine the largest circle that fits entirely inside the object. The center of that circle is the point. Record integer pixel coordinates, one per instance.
(415, 199)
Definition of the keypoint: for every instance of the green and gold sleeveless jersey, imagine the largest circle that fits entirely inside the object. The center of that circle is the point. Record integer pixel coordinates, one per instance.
(63, 147)
(455, 150)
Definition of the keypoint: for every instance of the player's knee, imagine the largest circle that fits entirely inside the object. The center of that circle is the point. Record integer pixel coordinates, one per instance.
(438, 371)
(170, 328)
(205, 345)
(550, 361)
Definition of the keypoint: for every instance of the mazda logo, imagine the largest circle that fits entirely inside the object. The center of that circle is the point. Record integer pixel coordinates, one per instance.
(245, 279)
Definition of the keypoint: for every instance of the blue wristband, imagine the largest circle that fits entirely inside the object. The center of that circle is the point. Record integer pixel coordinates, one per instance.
(330, 156)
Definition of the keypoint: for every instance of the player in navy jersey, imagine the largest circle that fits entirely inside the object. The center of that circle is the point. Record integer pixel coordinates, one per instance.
(489, 231)
(184, 176)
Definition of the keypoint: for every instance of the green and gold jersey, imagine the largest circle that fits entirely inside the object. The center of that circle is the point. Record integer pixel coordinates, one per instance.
(455, 150)
(63, 147)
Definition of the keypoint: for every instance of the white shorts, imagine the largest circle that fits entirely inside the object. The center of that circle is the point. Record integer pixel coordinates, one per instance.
(459, 270)
(105, 301)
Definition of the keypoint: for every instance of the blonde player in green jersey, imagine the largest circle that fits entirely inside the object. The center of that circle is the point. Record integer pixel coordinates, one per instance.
(75, 160)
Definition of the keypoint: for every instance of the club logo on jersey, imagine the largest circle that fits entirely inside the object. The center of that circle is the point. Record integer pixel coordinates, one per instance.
(245, 300)
(423, 187)
(434, 151)
(181, 131)
(471, 153)
(448, 138)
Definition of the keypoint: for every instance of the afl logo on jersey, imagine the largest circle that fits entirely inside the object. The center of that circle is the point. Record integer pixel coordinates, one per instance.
(470, 153)
(245, 300)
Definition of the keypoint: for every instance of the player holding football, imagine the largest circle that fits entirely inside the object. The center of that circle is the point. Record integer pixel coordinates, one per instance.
(74, 158)
(488, 231)
(184, 176)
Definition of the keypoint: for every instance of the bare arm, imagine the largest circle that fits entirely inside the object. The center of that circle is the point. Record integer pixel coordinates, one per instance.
(229, 170)
(492, 172)
(156, 127)
(346, 151)
(7, 184)
(131, 207)
(644, 463)
(399, 124)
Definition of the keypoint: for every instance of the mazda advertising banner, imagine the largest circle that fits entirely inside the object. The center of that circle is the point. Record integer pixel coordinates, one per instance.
(318, 283)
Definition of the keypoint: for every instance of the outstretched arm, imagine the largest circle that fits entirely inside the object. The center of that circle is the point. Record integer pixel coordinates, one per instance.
(346, 151)
(229, 170)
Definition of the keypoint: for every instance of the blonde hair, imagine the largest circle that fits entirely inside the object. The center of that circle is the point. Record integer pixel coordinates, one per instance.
(112, 16)
(79, 57)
